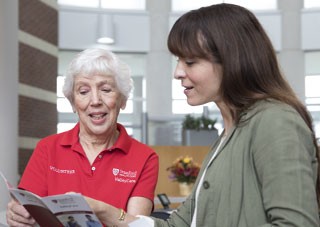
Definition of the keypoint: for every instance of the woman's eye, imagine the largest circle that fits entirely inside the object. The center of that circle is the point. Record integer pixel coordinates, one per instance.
(189, 62)
(83, 92)
(106, 90)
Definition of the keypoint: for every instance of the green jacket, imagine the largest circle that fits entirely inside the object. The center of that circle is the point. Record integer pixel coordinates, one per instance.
(264, 175)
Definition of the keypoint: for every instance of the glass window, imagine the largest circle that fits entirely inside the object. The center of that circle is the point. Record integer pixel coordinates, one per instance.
(80, 3)
(254, 4)
(312, 86)
(63, 104)
(124, 4)
(179, 102)
(108, 4)
(129, 107)
(62, 127)
(312, 91)
(60, 81)
(185, 5)
(182, 107)
(311, 3)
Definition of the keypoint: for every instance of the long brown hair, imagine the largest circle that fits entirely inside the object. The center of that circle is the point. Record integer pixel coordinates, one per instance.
(232, 36)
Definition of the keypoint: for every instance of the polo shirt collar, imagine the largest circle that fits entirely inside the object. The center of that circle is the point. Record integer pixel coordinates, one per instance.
(71, 138)
(124, 140)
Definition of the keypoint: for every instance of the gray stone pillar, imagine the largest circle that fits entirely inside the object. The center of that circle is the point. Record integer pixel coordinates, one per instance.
(291, 56)
(159, 73)
(8, 96)
(159, 69)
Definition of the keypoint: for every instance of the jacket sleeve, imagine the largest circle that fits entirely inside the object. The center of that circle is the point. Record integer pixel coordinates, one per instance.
(286, 166)
(180, 218)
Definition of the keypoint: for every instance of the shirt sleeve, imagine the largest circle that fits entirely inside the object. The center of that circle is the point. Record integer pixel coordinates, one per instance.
(35, 174)
(148, 179)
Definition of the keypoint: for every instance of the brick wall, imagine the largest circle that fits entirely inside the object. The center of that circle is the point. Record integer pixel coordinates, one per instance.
(39, 19)
(38, 70)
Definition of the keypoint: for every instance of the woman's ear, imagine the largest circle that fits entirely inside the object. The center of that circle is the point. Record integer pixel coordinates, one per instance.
(73, 109)
(123, 106)
(123, 103)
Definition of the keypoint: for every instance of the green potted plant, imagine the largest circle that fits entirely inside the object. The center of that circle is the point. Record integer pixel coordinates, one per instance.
(198, 131)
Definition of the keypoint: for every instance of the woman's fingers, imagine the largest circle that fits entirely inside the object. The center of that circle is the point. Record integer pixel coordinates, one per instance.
(18, 216)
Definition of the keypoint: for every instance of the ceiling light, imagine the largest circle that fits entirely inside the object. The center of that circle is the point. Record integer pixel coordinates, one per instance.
(105, 29)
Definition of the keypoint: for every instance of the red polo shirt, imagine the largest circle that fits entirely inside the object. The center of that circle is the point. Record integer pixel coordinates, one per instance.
(59, 165)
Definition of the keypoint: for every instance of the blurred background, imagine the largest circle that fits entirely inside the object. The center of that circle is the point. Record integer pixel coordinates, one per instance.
(38, 38)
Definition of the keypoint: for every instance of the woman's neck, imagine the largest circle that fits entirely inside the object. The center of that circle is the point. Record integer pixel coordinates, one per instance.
(105, 141)
(226, 113)
(93, 145)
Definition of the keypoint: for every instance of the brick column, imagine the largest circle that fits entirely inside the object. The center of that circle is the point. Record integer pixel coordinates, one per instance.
(38, 60)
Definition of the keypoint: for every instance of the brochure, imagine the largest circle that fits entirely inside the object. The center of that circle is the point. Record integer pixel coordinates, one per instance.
(66, 210)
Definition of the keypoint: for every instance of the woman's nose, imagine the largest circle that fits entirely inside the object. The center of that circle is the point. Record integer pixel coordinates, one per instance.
(179, 72)
(95, 98)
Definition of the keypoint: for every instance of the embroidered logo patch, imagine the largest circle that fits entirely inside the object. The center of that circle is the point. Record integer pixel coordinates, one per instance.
(115, 171)
(124, 176)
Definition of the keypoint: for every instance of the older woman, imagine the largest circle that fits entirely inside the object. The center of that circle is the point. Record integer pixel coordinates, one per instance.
(96, 158)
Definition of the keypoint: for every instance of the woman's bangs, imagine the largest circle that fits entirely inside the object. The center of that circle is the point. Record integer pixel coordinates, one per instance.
(184, 42)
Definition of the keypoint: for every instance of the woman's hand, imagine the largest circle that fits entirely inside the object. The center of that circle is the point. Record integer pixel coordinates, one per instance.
(109, 215)
(18, 216)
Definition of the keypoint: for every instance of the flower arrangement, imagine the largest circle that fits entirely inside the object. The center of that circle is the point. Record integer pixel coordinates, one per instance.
(184, 169)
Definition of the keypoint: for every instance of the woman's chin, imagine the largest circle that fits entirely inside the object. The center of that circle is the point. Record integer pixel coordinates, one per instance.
(195, 103)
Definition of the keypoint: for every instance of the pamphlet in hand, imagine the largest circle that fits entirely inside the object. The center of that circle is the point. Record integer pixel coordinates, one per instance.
(65, 210)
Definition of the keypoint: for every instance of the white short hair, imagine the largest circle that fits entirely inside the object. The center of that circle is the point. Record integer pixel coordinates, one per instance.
(104, 62)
